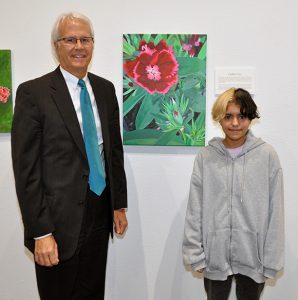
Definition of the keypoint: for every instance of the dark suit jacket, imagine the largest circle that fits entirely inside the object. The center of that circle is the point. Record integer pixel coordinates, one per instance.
(49, 159)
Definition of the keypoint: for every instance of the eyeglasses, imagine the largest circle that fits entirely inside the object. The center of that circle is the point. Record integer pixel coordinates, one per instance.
(72, 41)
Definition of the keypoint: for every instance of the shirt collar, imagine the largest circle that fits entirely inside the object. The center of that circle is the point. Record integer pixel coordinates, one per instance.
(70, 79)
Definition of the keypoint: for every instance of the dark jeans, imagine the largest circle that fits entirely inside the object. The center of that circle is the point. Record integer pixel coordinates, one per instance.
(246, 288)
(83, 276)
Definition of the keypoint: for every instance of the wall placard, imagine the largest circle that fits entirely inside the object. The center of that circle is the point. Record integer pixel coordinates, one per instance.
(227, 77)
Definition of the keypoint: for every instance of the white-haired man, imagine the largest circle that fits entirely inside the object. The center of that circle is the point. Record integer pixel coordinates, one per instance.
(68, 164)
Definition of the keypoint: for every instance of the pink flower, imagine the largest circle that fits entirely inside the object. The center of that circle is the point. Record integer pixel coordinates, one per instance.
(4, 94)
(155, 69)
(193, 46)
(186, 47)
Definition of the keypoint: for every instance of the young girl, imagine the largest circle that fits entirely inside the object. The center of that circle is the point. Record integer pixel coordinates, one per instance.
(234, 224)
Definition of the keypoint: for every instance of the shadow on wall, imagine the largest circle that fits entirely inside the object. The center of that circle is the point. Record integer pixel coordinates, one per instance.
(17, 275)
(274, 288)
(173, 281)
(126, 276)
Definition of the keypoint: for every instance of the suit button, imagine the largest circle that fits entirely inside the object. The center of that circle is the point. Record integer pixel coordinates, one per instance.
(85, 176)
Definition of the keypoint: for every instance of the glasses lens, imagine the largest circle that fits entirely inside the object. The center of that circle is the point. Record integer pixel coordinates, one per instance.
(70, 40)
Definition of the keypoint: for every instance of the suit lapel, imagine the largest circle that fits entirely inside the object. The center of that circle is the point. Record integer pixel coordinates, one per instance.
(61, 97)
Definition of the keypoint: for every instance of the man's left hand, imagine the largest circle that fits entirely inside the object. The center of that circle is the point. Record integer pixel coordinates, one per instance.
(120, 220)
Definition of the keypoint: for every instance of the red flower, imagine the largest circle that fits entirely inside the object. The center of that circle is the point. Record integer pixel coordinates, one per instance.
(155, 69)
(4, 94)
(151, 48)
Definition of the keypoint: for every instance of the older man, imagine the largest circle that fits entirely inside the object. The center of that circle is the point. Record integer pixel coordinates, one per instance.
(68, 165)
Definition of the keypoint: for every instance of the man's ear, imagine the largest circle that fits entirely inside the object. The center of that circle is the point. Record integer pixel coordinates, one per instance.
(55, 45)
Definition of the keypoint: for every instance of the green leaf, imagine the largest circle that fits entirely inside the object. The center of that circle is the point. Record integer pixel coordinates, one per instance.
(200, 121)
(146, 112)
(140, 142)
(188, 118)
(196, 100)
(128, 49)
(157, 98)
(132, 100)
(202, 53)
(141, 137)
(157, 39)
(146, 37)
(143, 133)
(166, 138)
(203, 38)
(174, 41)
(190, 81)
(126, 37)
(128, 91)
(190, 65)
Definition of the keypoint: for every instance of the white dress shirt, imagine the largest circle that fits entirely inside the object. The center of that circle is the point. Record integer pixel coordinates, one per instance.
(74, 91)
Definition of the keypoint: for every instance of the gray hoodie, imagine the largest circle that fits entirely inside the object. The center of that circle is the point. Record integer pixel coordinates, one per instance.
(235, 218)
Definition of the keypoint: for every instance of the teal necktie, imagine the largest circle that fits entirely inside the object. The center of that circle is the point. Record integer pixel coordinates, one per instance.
(96, 173)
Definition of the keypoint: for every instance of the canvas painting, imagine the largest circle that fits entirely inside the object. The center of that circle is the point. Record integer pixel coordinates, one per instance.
(5, 91)
(164, 89)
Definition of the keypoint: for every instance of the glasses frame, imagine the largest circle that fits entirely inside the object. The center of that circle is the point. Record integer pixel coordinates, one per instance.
(85, 40)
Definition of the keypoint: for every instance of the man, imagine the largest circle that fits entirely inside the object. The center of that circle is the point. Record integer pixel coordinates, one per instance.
(68, 164)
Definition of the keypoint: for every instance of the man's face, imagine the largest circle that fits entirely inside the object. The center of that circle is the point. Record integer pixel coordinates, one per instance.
(74, 58)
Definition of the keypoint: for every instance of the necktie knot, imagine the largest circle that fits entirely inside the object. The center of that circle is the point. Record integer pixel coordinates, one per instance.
(82, 83)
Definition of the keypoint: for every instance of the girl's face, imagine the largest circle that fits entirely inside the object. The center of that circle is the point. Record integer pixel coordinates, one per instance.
(235, 126)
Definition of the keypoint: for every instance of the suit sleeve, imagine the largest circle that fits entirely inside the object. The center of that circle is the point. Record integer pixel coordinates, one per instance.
(118, 173)
(26, 143)
(193, 251)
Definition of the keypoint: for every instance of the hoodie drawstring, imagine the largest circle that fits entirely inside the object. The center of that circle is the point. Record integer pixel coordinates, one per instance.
(243, 177)
(228, 184)
(242, 183)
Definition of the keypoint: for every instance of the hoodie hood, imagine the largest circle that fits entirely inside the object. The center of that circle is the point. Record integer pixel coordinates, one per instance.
(251, 143)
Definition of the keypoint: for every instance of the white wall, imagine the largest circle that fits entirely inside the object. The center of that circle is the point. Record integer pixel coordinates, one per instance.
(147, 263)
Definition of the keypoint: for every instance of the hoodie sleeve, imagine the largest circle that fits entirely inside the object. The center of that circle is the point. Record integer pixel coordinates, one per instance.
(274, 242)
(193, 251)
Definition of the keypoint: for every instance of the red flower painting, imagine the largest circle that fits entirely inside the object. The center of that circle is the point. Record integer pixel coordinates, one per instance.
(4, 94)
(164, 89)
(155, 68)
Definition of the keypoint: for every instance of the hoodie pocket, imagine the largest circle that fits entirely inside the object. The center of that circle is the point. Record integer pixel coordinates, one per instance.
(245, 251)
(217, 250)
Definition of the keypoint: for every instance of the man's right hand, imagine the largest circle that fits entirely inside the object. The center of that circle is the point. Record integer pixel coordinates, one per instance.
(46, 251)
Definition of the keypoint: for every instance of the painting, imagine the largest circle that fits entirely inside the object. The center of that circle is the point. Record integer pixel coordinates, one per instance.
(5, 91)
(164, 89)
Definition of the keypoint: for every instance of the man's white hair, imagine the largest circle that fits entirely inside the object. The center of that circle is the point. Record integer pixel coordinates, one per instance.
(64, 17)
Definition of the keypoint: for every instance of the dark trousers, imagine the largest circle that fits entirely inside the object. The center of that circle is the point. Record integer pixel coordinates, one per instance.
(83, 276)
(246, 288)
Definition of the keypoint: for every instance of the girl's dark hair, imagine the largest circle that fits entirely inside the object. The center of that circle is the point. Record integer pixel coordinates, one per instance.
(248, 108)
